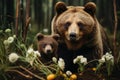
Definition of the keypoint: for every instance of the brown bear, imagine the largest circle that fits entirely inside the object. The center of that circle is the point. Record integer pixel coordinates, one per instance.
(80, 33)
(47, 46)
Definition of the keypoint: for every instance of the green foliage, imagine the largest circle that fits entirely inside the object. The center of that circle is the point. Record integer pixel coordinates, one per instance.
(8, 44)
(14, 54)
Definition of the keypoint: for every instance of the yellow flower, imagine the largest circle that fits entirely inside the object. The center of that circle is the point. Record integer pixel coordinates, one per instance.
(64, 75)
(73, 77)
(51, 77)
(94, 69)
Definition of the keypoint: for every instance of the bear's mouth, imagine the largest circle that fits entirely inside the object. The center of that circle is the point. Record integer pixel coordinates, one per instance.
(48, 51)
(73, 38)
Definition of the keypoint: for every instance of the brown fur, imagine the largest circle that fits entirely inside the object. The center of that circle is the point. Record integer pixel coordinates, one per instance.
(90, 35)
(80, 33)
(43, 41)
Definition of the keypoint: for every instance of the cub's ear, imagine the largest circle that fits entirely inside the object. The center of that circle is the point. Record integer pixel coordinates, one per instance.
(90, 8)
(60, 7)
(39, 36)
(56, 36)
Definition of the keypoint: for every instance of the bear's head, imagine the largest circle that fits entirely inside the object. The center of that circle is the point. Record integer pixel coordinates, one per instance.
(75, 24)
(47, 45)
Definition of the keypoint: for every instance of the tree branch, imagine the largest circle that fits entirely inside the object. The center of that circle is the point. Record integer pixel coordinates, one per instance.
(24, 75)
(32, 73)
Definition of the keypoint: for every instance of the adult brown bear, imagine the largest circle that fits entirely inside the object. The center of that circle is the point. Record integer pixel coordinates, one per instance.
(80, 32)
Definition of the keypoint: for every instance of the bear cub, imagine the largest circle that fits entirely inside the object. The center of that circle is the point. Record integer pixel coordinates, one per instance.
(47, 46)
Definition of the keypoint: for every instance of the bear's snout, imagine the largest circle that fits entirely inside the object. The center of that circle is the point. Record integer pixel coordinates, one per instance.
(48, 49)
(72, 36)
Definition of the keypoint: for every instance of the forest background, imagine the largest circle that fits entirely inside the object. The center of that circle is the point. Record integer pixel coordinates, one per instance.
(41, 12)
(28, 17)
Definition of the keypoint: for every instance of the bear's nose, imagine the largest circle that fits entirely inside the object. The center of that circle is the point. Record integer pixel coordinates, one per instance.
(48, 51)
(72, 36)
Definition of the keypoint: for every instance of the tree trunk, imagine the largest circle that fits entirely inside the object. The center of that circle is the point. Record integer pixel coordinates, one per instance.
(115, 31)
(27, 20)
(17, 17)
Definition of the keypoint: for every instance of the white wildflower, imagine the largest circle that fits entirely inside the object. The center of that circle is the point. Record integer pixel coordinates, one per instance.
(8, 30)
(13, 57)
(45, 30)
(108, 56)
(102, 60)
(14, 36)
(75, 60)
(61, 63)
(79, 57)
(30, 50)
(69, 73)
(54, 59)
(83, 60)
(31, 55)
(37, 53)
(6, 43)
(10, 39)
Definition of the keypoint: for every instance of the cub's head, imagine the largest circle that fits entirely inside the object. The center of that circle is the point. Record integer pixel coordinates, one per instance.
(75, 24)
(47, 44)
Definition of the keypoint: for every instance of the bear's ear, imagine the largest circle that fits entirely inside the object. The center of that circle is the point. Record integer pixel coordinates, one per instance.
(90, 8)
(60, 7)
(40, 36)
(56, 36)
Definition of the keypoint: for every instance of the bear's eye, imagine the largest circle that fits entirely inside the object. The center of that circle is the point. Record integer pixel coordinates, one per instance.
(51, 45)
(43, 45)
(80, 25)
(67, 24)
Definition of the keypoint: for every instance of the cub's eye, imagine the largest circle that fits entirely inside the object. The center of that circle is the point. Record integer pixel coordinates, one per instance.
(51, 45)
(43, 45)
(67, 24)
(80, 25)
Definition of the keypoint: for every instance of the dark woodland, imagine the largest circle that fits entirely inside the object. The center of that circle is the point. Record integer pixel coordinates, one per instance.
(26, 18)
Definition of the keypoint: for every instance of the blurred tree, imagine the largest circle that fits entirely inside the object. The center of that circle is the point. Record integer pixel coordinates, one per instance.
(6, 13)
(105, 13)
(39, 14)
(42, 12)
